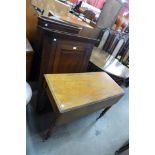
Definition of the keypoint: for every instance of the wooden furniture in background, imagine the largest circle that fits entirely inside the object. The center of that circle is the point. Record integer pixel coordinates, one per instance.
(101, 61)
(54, 5)
(125, 58)
(63, 14)
(112, 55)
(73, 20)
(31, 23)
(29, 57)
(88, 30)
(89, 15)
(115, 67)
(76, 95)
(121, 23)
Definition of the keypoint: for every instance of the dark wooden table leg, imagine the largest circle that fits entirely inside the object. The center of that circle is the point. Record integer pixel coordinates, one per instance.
(46, 134)
(40, 102)
(103, 112)
(122, 149)
(41, 97)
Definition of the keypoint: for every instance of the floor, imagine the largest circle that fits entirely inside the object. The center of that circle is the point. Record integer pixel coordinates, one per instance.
(84, 136)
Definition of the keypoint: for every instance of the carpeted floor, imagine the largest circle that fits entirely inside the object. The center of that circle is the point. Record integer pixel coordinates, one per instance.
(84, 136)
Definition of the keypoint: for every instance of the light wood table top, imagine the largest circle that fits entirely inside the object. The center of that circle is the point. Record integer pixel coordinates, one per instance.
(73, 20)
(72, 91)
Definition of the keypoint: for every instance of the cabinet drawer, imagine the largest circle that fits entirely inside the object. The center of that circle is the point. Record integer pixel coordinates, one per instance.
(60, 26)
(72, 46)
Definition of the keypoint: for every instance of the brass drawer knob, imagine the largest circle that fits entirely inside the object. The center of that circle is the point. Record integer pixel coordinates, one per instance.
(74, 48)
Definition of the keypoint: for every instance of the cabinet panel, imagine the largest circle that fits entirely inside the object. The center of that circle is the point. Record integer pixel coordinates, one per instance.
(71, 57)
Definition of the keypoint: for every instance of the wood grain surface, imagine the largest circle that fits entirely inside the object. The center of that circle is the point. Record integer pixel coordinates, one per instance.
(31, 22)
(73, 91)
(74, 20)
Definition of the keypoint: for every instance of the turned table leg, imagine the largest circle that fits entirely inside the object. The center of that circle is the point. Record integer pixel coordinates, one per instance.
(103, 112)
(46, 134)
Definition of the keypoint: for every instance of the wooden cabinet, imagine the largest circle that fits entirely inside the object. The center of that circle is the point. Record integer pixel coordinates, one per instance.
(51, 24)
(65, 53)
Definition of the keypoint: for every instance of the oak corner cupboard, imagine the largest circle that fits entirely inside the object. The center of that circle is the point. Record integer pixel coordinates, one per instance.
(65, 52)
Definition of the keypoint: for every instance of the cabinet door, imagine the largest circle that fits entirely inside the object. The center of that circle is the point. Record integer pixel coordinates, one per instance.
(71, 57)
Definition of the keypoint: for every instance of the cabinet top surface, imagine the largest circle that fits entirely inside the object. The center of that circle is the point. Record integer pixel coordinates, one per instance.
(73, 19)
(71, 91)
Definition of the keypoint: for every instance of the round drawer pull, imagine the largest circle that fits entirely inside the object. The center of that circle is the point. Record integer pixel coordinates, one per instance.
(74, 48)
(54, 39)
(46, 25)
